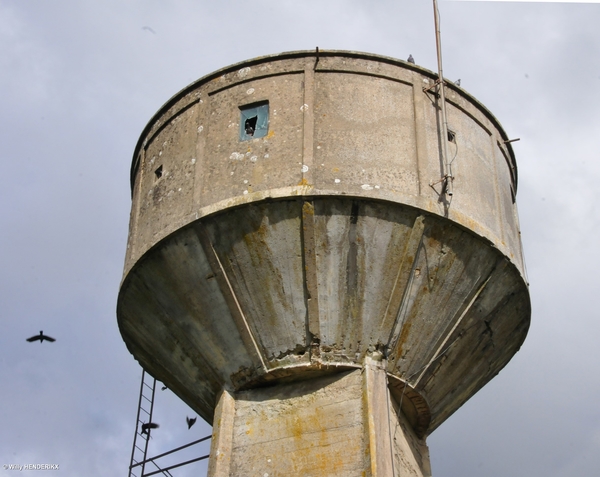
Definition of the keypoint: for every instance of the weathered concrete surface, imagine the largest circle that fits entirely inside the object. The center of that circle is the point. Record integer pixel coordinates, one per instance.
(305, 252)
(341, 424)
(226, 302)
(351, 124)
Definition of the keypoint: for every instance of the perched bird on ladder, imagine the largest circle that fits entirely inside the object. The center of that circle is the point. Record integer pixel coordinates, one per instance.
(190, 421)
(411, 59)
(41, 337)
(147, 426)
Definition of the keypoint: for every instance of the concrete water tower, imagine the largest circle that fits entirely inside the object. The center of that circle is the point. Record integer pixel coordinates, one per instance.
(298, 273)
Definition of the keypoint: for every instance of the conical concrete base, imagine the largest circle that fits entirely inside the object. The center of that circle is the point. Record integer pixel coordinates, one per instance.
(344, 424)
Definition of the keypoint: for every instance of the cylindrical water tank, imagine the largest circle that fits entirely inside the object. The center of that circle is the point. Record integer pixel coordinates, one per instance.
(288, 220)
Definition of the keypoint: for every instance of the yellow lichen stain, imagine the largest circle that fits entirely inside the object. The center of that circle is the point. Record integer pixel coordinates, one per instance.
(308, 209)
(296, 427)
(303, 182)
(335, 169)
(403, 336)
(317, 448)
(270, 134)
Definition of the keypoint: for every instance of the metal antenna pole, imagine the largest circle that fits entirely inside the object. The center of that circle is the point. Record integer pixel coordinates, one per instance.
(447, 177)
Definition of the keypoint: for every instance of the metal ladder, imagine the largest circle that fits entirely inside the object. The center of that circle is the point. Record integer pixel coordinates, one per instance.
(144, 415)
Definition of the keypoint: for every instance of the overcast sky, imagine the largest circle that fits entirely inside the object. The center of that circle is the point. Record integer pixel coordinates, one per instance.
(79, 81)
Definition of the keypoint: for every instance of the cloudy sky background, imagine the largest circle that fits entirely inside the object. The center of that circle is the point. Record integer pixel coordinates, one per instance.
(79, 81)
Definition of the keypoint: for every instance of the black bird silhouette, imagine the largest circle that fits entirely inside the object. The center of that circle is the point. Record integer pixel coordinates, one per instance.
(411, 59)
(41, 337)
(190, 422)
(149, 425)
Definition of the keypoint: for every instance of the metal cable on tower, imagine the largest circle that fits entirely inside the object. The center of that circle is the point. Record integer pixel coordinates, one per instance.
(447, 177)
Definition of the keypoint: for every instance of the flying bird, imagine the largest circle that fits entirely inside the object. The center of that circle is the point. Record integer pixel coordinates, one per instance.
(190, 422)
(149, 29)
(147, 426)
(41, 337)
(411, 59)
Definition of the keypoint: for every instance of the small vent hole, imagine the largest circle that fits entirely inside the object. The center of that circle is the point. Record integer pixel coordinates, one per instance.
(158, 172)
(451, 136)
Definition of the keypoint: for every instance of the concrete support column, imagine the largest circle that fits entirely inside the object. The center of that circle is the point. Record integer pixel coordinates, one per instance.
(394, 447)
(343, 424)
(379, 425)
(222, 436)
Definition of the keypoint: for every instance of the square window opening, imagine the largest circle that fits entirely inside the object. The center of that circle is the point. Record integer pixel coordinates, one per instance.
(254, 121)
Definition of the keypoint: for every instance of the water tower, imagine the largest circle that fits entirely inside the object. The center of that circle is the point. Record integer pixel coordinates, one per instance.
(300, 272)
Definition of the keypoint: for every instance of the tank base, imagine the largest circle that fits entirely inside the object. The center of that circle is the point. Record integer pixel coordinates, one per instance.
(343, 424)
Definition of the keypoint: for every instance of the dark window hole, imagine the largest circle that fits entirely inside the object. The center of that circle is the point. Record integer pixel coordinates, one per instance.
(250, 125)
(158, 172)
(451, 136)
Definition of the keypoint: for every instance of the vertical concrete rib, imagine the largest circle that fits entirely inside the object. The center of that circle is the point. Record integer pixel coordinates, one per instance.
(393, 312)
(309, 125)
(420, 132)
(201, 125)
(310, 270)
(230, 297)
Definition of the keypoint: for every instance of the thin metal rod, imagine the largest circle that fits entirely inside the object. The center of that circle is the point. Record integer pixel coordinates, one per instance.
(176, 465)
(165, 472)
(173, 450)
(447, 176)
